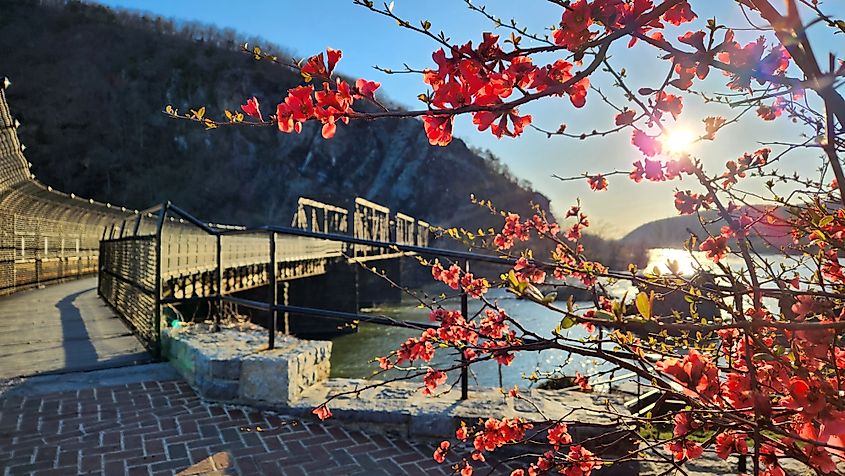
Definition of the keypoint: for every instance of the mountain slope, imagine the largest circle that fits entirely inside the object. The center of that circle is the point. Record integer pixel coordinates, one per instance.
(770, 228)
(89, 85)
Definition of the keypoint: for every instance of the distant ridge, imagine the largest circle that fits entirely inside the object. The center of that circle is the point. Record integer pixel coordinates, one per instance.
(770, 228)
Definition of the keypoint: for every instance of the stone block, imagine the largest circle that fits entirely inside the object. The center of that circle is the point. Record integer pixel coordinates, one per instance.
(229, 369)
(221, 390)
(264, 378)
(234, 364)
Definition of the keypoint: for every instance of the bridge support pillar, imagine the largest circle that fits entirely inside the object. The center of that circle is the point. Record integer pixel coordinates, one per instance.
(373, 289)
(336, 290)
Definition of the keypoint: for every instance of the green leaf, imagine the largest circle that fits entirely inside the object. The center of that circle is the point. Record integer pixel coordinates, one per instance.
(567, 322)
(644, 305)
(826, 220)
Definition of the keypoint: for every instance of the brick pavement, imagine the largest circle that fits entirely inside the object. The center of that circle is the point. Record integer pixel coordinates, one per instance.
(162, 427)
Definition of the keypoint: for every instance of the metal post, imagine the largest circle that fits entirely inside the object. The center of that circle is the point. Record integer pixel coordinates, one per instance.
(157, 311)
(137, 225)
(219, 284)
(464, 362)
(273, 296)
(286, 301)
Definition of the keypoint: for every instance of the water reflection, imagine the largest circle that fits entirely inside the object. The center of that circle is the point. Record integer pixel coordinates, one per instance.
(351, 353)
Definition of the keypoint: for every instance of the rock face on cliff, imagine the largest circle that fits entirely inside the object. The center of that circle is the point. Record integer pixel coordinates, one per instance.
(90, 85)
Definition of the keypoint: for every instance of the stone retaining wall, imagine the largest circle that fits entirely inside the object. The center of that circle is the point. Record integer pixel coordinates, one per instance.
(234, 365)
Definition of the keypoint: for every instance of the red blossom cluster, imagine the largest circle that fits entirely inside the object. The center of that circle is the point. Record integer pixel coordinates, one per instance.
(493, 434)
(455, 278)
(575, 26)
(687, 202)
(657, 171)
(696, 372)
(328, 105)
(515, 230)
(485, 77)
(796, 392)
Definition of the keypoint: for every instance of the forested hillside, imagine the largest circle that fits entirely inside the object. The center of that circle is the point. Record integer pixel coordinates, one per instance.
(89, 86)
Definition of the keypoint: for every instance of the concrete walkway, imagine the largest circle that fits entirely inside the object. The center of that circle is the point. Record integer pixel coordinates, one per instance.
(63, 328)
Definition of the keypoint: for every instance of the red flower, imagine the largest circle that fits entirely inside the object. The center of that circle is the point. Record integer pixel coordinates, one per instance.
(625, 117)
(680, 13)
(582, 461)
(695, 371)
(597, 182)
(559, 435)
(322, 412)
(574, 26)
(688, 203)
(251, 108)
(333, 57)
(366, 88)
(669, 103)
(804, 397)
(715, 248)
(413, 349)
(731, 442)
(315, 66)
(769, 113)
(820, 458)
(582, 382)
(637, 174)
(284, 118)
(438, 129)
(301, 103)
(526, 271)
(649, 145)
(497, 433)
(432, 379)
(654, 170)
(684, 424)
(681, 449)
(498, 122)
(440, 452)
(384, 363)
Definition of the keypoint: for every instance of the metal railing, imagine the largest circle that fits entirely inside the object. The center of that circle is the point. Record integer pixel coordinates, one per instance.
(131, 284)
(45, 235)
(182, 258)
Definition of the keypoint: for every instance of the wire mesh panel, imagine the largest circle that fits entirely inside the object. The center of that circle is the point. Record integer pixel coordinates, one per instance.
(45, 235)
(127, 282)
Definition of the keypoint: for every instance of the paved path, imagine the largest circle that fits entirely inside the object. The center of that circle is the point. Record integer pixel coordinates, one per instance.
(61, 328)
(162, 427)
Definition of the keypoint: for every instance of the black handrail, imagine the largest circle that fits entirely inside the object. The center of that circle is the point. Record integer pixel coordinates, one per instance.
(272, 306)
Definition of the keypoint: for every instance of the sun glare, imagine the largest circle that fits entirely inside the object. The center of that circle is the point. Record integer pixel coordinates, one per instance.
(678, 141)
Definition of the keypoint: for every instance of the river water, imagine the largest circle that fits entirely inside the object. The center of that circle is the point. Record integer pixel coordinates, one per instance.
(351, 354)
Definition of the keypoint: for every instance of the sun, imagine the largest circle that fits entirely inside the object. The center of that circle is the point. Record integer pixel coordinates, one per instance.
(678, 141)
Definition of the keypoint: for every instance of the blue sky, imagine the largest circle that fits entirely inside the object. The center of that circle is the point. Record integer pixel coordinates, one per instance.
(308, 27)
